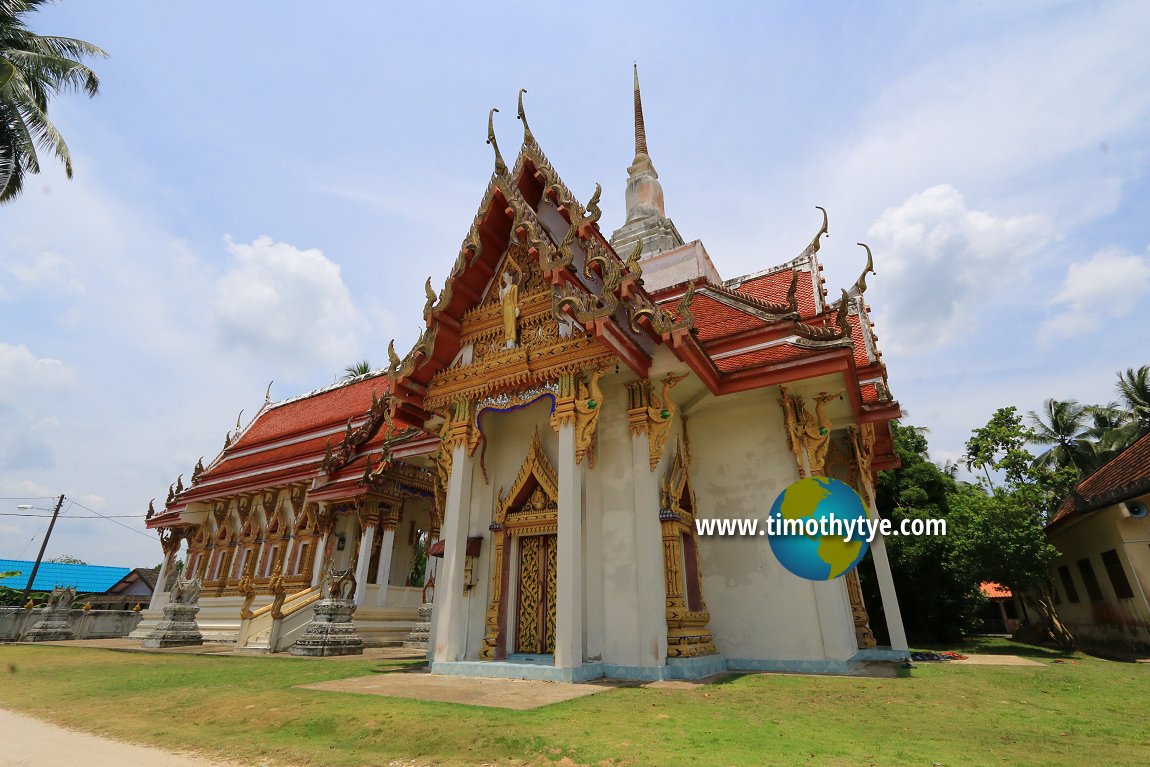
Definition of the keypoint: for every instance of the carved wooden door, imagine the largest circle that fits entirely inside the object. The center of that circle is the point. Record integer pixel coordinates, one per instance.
(535, 611)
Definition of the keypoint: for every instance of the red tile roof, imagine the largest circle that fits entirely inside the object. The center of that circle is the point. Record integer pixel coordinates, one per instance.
(773, 288)
(1123, 476)
(714, 319)
(326, 407)
(993, 590)
(287, 441)
(771, 355)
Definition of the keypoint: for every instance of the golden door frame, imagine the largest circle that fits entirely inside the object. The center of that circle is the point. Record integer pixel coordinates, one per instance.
(687, 615)
(531, 507)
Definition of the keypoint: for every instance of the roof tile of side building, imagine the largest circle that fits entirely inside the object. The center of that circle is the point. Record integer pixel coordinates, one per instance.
(332, 405)
(88, 579)
(1124, 475)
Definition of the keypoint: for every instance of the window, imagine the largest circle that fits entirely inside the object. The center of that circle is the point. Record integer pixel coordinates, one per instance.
(1090, 581)
(1068, 584)
(1117, 574)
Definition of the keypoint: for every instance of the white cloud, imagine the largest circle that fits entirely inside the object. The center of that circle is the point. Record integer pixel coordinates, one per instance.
(27, 384)
(46, 269)
(23, 375)
(941, 262)
(1107, 286)
(93, 501)
(282, 302)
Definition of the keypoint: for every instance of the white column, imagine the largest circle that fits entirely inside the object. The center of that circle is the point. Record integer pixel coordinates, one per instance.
(161, 579)
(569, 579)
(383, 572)
(289, 549)
(886, 590)
(649, 558)
(317, 563)
(450, 615)
(362, 560)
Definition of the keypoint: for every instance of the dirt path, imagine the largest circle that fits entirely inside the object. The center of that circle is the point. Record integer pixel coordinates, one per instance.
(29, 742)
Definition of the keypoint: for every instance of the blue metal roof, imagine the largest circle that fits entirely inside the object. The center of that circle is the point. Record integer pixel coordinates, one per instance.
(88, 579)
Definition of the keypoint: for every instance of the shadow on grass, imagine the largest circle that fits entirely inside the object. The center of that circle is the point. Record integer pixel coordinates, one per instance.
(980, 645)
(402, 668)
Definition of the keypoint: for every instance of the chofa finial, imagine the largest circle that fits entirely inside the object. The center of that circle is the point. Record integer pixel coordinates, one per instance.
(860, 284)
(528, 136)
(500, 166)
(268, 393)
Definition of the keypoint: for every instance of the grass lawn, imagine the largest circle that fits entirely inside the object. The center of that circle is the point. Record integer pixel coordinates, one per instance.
(1082, 710)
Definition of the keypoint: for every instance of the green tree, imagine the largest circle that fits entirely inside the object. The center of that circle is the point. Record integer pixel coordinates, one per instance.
(939, 603)
(1001, 533)
(33, 68)
(1134, 391)
(1063, 426)
(65, 559)
(418, 560)
(361, 368)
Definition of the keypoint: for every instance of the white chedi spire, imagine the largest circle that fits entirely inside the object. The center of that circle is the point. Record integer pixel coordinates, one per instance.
(647, 220)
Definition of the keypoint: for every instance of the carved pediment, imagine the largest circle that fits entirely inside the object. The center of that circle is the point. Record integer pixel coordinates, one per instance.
(535, 491)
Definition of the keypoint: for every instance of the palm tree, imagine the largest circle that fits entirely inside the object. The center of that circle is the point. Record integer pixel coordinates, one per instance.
(32, 69)
(1134, 389)
(1062, 425)
(361, 368)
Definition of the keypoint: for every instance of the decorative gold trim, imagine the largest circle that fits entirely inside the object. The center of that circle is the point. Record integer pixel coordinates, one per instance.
(660, 413)
(808, 435)
(687, 632)
(530, 507)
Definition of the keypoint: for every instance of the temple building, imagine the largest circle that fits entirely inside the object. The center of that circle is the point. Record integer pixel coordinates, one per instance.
(574, 403)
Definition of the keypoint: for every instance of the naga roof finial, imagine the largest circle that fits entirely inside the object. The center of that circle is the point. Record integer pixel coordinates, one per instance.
(500, 166)
(528, 136)
(815, 243)
(860, 284)
(640, 129)
(268, 393)
(238, 417)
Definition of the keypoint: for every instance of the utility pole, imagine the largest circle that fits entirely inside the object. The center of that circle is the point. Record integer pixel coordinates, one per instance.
(44, 545)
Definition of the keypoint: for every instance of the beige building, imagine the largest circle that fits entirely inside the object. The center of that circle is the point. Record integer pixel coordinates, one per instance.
(1102, 577)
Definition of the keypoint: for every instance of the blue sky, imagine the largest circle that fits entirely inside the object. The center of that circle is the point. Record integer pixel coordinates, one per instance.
(262, 188)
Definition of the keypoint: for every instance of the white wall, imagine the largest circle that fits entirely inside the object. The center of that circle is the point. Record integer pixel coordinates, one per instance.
(759, 610)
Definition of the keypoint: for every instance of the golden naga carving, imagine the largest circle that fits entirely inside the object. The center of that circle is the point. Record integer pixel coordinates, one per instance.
(278, 590)
(530, 507)
(578, 401)
(862, 446)
(500, 166)
(588, 405)
(585, 306)
(660, 413)
(459, 428)
(634, 270)
(170, 538)
(661, 320)
(686, 612)
(247, 590)
(808, 435)
(429, 303)
(860, 284)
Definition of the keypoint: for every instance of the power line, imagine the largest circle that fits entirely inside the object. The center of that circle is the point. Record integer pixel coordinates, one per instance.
(114, 522)
(74, 516)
